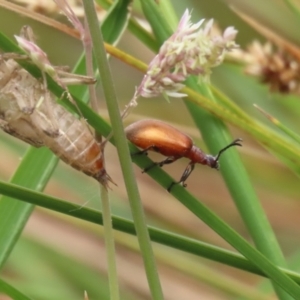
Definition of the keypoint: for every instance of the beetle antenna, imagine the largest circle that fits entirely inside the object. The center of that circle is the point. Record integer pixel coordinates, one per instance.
(234, 143)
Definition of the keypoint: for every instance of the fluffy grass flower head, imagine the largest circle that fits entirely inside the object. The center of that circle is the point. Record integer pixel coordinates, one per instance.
(193, 49)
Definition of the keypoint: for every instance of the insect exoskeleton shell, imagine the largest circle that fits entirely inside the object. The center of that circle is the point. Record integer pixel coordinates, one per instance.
(31, 113)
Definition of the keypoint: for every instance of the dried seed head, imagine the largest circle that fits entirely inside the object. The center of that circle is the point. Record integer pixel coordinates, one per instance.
(191, 50)
(277, 68)
(47, 7)
(39, 6)
(71, 15)
(36, 54)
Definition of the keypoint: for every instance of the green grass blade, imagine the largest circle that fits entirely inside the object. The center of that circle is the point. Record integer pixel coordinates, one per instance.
(166, 180)
(208, 217)
(116, 21)
(216, 137)
(159, 25)
(167, 238)
(123, 153)
(290, 133)
(10, 291)
(34, 172)
(113, 26)
(215, 134)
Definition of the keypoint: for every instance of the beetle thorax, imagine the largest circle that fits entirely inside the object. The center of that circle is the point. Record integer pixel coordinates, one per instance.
(196, 155)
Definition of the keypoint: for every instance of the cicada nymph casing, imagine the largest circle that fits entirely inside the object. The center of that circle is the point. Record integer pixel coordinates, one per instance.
(29, 112)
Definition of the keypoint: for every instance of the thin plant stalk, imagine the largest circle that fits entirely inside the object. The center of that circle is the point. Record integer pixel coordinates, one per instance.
(109, 245)
(214, 132)
(106, 210)
(123, 152)
(107, 219)
(240, 187)
(89, 68)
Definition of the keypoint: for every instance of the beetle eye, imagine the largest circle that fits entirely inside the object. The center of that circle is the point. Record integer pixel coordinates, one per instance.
(216, 165)
(212, 161)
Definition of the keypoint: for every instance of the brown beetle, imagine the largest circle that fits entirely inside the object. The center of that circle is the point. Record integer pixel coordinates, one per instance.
(154, 135)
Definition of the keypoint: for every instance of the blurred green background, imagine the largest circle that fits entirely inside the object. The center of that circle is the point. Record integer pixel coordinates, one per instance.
(59, 257)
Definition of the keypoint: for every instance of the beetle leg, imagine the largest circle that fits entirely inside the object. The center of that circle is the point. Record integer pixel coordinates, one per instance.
(166, 161)
(145, 151)
(187, 172)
